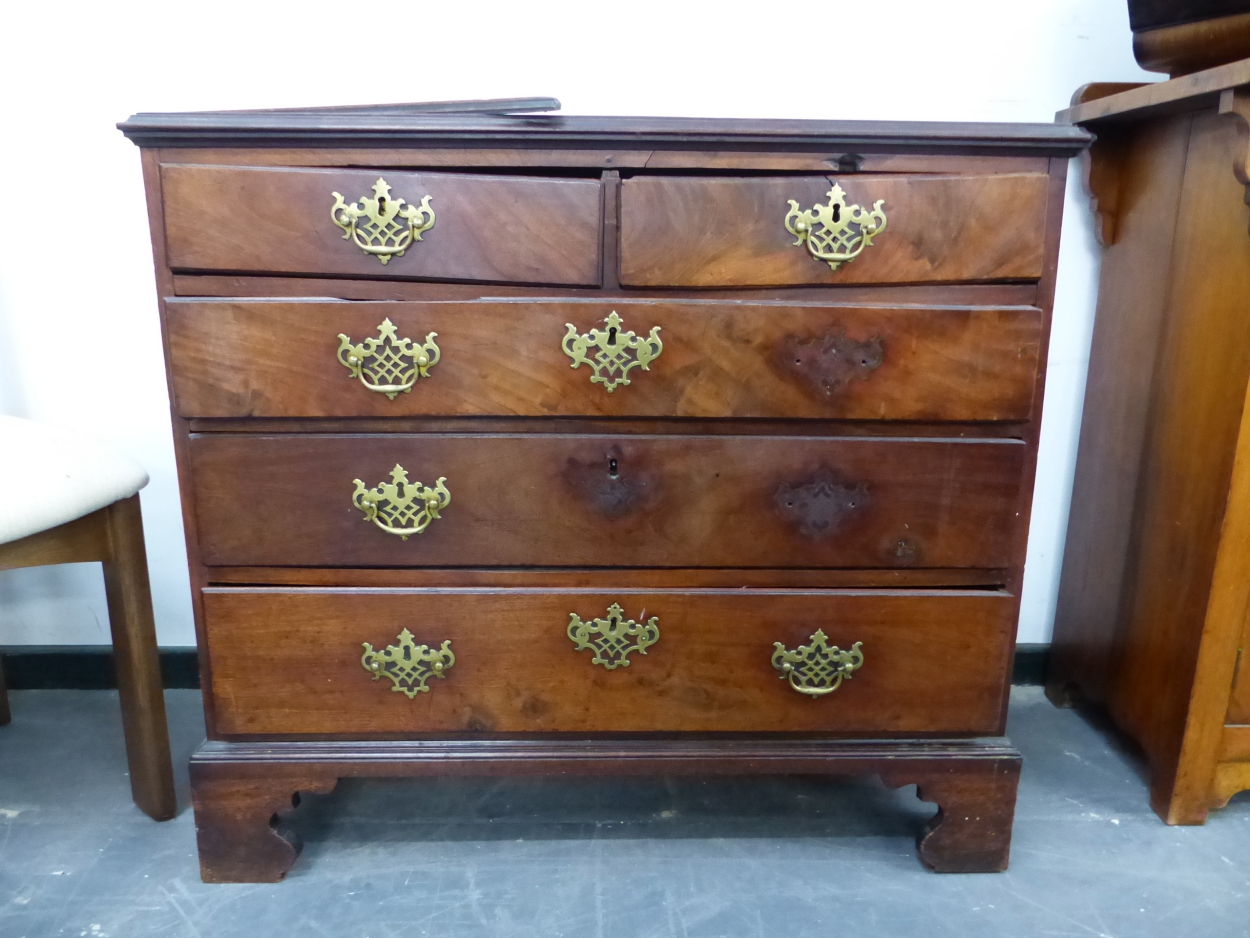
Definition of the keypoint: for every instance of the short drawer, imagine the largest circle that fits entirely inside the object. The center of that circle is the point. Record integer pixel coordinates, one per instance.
(572, 500)
(293, 661)
(293, 359)
(697, 232)
(485, 228)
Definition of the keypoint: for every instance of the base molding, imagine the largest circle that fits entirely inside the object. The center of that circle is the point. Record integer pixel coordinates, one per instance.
(239, 788)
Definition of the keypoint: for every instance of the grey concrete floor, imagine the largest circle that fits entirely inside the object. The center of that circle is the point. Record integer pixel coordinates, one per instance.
(640, 858)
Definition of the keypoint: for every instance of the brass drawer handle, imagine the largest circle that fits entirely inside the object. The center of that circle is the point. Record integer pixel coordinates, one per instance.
(618, 352)
(835, 233)
(408, 665)
(401, 507)
(615, 638)
(817, 669)
(388, 364)
(380, 234)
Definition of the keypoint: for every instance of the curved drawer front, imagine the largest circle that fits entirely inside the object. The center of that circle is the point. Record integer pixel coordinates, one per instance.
(290, 662)
(490, 228)
(691, 232)
(630, 501)
(287, 359)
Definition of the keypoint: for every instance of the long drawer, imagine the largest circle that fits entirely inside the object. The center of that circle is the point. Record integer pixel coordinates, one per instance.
(283, 220)
(700, 232)
(624, 500)
(293, 661)
(292, 359)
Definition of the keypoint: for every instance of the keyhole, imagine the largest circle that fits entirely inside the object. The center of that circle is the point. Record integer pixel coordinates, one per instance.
(612, 335)
(382, 205)
(837, 213)
(612, 470)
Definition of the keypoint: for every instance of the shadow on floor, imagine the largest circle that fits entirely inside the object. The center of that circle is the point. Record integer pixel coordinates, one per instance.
(511, 809)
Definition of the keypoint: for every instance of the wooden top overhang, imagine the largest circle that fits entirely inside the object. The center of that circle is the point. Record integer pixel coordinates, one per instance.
(520, 122)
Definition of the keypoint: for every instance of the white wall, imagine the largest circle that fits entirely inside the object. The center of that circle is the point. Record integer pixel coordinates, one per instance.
(79, 342)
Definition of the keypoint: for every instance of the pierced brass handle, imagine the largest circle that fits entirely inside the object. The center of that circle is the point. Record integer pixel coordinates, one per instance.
(379, 233)
(401, 507)
(618, 351)
(388, 364)
(835, 233)
(817, 669)
(408, 665)
(615, 638)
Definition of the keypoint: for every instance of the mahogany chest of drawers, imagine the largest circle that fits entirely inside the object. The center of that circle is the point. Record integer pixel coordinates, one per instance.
(520, 443)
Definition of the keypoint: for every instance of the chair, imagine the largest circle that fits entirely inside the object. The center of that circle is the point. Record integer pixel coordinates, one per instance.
(67, 500)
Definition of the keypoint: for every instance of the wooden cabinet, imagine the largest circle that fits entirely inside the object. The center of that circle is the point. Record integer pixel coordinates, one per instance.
(1154, 592)
(603, 446)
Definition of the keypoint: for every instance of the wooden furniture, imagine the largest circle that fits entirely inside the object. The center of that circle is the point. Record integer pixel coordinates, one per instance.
(691, 499)
(64, 499)
(1153, 597)
(1184, 36)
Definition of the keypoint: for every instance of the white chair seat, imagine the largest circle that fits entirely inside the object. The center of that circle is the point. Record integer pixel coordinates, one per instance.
(50, 476)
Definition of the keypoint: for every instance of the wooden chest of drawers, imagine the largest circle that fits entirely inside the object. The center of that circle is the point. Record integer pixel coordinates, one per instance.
(530, 444)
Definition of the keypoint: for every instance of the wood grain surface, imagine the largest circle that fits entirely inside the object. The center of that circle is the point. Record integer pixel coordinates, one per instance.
(1153, 599)
(289, 662)
(609, 578)
(488, 228)
(572, 500)
(724, 359)
(684, 231)
(460, 158)
(1132, 295)
(200, 285)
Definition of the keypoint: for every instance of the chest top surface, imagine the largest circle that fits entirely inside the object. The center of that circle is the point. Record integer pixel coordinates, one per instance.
(514, 123)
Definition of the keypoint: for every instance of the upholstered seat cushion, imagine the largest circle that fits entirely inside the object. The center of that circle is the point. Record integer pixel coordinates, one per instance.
(50, 476)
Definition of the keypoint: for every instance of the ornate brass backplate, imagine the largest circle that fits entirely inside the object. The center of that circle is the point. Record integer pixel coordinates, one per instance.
(835, 233)
(401, 507)
(617, 352)
(408, 665)
(615, 638)
(817, 669)
(374, 224)
(388, 364)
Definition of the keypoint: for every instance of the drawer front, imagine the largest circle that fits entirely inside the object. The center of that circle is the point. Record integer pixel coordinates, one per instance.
(626, 501)
(290, 662)
(238, 359)
(691, 232)
(492, 228)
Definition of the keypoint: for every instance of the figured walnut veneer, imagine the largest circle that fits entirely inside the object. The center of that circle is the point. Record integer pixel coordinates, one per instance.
(848, 451)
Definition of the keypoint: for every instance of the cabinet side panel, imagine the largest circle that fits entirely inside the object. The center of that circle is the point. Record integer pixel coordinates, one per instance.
(1132, 291)
(1183, 487)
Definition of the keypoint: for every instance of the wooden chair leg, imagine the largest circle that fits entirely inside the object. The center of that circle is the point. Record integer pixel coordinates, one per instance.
(5, 716)
(137, 662)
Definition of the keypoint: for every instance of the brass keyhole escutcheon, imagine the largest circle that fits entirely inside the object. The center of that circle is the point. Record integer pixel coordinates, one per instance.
(614, 638)
(382, 226)
(835, 233)
(401, 507)
(616, 352)
(408, 665)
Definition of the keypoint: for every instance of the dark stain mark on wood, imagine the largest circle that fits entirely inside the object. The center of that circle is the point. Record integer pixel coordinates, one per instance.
(830, 362)
(819, 507)
(610, 485)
